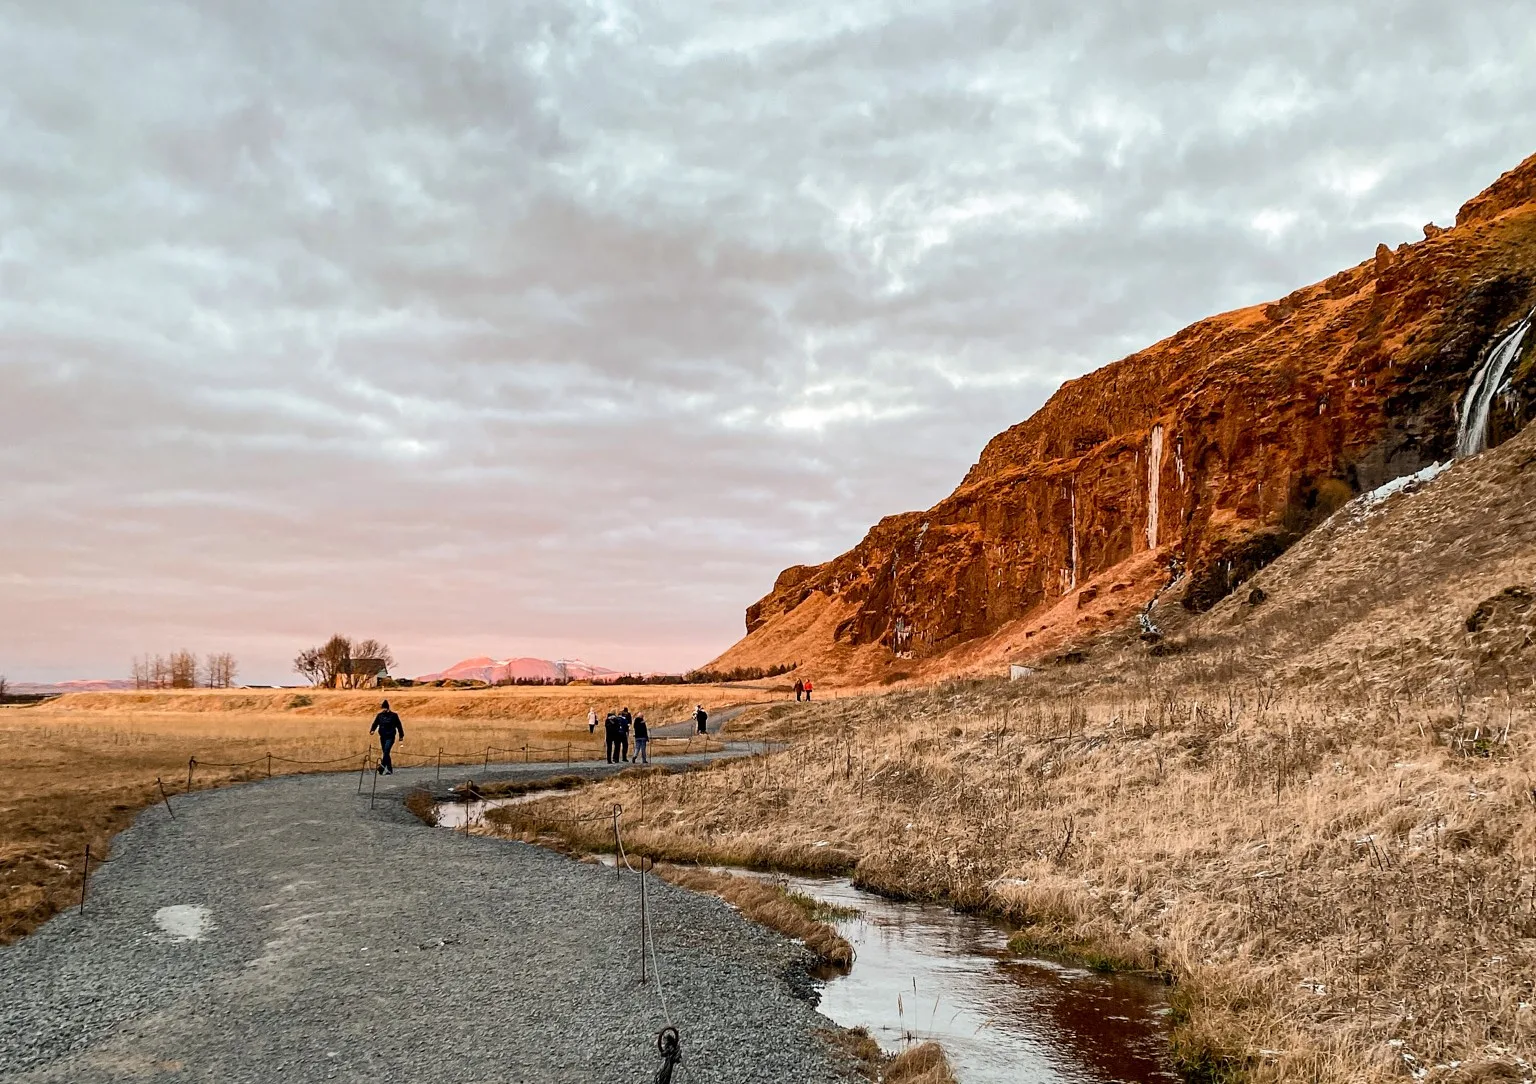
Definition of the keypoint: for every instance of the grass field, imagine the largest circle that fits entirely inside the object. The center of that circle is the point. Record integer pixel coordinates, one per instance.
(1341, 892)
(78, 769)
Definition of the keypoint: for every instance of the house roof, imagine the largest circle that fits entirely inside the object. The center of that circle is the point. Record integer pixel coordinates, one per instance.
(362, 667)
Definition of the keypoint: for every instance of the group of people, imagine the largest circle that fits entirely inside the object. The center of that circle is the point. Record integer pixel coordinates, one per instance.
(617, 728)
(802, 689)
(619, 725)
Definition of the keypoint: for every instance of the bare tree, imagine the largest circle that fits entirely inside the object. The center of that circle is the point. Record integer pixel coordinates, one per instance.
(374, 649)
(183, 670)
(219, 670)
(4, 685)
(307, 665)
(321, 664)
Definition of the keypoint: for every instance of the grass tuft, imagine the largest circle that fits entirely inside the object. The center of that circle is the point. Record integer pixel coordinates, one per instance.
(767, 904)
(420, 802)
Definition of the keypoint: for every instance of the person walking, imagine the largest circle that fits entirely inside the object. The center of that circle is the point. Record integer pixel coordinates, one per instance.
(701, 717)
(591, 720)
(624, 722)
(642, 741)
(389, 728)
(799, 690)
(807, 688)
(611, 735)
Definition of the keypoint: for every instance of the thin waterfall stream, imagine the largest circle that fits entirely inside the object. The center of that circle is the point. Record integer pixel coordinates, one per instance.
(1472, 433)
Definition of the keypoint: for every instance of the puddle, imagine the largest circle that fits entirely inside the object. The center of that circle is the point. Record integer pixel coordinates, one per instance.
(453, 814)
(185, 921)
(927, 972)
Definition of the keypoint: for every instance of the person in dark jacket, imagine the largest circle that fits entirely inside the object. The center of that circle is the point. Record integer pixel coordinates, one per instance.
(642, 739)
(389, 728)
(701, 717)
(799, 690)
(611, 735)
(624, 724)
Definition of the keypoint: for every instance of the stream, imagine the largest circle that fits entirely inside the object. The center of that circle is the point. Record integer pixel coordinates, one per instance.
(928, 972)
(452, 814)
(925, 972)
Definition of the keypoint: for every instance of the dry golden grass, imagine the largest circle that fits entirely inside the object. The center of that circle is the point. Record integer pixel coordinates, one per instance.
(921, 1064)
(565, 705)
(1342, 893)
(768, 905)
(78, 769)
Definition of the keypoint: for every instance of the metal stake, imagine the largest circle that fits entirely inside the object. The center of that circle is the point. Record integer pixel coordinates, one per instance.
(83, 877)
(360, 772)
(374, 791)
(166, 798)
(616, 846)
(191, 763)
(642, 919)
(439, 763)
(269, 765)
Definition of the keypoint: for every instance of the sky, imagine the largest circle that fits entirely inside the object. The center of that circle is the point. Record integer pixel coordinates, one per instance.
(559, 328)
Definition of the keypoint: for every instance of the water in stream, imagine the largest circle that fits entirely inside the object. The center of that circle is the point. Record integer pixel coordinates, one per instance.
(452, 814)
(928, 972)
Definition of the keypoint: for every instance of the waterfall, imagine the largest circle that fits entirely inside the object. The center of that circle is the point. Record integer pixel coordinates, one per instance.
(1074, 534)
(1472, 434)
(1154, 483)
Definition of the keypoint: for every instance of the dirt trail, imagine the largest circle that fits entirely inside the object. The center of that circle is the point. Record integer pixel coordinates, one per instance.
(714, 724)
(285, 931)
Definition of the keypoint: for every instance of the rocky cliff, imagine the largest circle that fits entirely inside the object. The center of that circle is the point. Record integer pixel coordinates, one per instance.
(1197, 460)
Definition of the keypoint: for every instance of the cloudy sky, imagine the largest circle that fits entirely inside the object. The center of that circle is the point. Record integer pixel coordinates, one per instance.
(558, 328)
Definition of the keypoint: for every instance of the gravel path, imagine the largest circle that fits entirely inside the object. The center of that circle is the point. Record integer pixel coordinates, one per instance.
(716, 720)
(340, 943)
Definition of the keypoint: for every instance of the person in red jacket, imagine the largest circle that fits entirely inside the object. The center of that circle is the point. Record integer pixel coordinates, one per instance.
(807, 688)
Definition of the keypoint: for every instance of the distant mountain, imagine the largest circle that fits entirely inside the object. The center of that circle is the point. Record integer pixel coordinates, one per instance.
(492, 671)
(79, 685)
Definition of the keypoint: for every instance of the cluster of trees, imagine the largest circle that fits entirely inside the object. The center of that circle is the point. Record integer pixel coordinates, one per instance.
(322, 665)
(182, 670)
(740, 673)
(704, 677)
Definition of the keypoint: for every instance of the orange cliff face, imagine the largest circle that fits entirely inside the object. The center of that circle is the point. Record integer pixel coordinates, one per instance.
(1208, 452)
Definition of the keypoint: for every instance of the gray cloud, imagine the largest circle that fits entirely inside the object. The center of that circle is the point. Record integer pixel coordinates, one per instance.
(561, 328)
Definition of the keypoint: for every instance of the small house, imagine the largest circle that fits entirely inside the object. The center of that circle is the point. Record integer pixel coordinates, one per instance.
(360, 674)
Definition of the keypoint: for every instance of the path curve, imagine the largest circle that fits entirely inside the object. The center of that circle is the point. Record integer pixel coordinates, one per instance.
(357, 945)
(714, 724)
